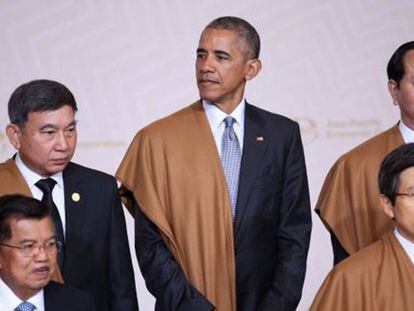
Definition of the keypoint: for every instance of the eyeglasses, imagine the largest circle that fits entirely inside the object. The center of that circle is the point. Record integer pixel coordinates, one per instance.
(33, 249)
(409, 194)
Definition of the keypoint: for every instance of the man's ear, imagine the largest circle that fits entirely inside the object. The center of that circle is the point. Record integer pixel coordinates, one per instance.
(393, 89)
(253, 68)
(387, 206)
(13, 133)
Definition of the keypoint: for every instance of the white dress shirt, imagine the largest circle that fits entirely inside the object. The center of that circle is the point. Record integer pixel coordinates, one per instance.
(9, 301)
(215, 118)
(406, 244)
(406, 133)
(58, 192)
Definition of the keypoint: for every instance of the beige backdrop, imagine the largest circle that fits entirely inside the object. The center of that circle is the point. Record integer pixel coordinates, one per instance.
(131, 62)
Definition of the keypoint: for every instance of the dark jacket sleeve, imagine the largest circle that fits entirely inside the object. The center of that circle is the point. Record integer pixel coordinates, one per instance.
(294, 231)
(163, 276)
(121, 272)
(339, 252)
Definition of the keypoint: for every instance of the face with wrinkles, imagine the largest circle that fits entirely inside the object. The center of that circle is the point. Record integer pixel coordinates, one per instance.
(47, 141)
(403, 94)
(25, 276)
(223, 67)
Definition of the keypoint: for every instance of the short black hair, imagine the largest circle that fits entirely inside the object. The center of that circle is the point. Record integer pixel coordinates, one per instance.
(37, 96)
(395, 67)
(393, 164)
(19, 207)
(243, 29)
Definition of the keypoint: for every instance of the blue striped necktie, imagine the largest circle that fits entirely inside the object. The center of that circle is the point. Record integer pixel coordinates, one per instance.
(231, 158)
(25, 306)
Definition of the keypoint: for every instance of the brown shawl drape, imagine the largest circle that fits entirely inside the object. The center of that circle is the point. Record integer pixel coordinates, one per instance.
(175, 173)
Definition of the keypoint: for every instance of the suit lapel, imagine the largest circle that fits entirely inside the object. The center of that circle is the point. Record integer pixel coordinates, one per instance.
(75, 200)
(254, 146)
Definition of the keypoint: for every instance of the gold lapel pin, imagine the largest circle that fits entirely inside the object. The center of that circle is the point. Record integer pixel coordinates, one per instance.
(259, 138)
(75, 197)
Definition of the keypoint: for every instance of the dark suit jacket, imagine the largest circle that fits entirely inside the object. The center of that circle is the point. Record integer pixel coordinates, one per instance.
(61, 297)
(272, 226)
(97, 256)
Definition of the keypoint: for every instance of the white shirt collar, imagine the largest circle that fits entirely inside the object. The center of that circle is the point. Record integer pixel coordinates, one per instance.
(215, 116)
(9, 301)
(406, 133)
(33, 177)
(406, 244)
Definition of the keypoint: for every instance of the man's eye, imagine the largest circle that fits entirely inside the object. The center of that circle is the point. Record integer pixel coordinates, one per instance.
(48, 133)
(50, 244)
(28, 247)
(70, 131)
(222, 57)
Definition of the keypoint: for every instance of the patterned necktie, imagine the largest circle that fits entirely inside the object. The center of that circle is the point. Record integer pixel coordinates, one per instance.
(46, 185)
(231, 158)
(25, 306)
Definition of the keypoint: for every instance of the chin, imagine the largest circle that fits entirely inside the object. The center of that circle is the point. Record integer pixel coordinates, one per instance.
(208, 97)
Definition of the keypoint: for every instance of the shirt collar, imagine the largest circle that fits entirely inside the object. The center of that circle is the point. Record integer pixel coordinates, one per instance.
(406, 244)
(9, 300)
(406, 132)
(32, 177)
(216, 116)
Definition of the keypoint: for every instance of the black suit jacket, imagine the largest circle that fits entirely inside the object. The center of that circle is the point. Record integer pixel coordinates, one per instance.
(61, 297)
(97, 256)
(272, 226)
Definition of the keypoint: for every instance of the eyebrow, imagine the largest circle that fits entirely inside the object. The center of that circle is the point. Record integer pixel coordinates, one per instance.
(216, 52)
(46, 126)
(53, 237)
(220, 52)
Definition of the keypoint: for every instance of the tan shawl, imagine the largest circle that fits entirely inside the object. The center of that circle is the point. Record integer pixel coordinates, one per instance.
(380, 277)
(349, 200)
(13, 182)
(174, 171)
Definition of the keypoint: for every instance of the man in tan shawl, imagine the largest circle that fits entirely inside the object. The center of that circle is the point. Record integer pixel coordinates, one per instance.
(348, 203)
(381, 276)
(222, 218)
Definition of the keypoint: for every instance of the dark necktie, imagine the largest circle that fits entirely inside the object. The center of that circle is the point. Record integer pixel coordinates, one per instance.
(231, 158)
(46, 185)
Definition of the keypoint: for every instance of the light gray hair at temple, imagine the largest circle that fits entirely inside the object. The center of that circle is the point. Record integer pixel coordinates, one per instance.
(243, 29)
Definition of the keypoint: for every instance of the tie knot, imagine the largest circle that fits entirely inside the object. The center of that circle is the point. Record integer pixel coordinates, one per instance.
(46, 185)
(229, 121)
(25, 306)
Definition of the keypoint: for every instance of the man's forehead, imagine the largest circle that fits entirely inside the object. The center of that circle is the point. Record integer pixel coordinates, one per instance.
(64, 113)
(222, 39)
(409, 60)
(407, 177)
(27, 229)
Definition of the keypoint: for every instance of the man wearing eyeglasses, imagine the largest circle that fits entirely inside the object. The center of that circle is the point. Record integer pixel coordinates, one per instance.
(380, 277)
(28, 249)
(84, 203)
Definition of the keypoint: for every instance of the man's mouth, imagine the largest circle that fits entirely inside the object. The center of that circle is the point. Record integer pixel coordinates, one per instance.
(207, 81)
(41, 271)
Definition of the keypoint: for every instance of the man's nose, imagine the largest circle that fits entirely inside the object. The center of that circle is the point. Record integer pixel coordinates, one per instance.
(208, 65)
(62, 142)
(42, 254)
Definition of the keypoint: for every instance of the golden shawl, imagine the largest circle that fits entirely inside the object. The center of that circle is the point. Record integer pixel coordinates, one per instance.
(349, 200)
(13, 182)
(175, 173)
(380, 277)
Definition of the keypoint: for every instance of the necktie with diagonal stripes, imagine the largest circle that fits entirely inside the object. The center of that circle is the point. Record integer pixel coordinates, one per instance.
(231, 159)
